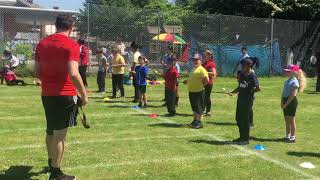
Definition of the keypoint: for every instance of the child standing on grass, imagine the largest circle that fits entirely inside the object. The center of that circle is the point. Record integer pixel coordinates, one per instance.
(210, 66)
(102, 68)
(289, 102)
(248, 85)
(171, 79)
(141, 73)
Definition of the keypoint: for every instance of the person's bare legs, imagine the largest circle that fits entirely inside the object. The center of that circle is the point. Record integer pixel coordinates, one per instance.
(48, 144)
(58, 147)
(288, 126)
(145, 98)
(195, 116)
(200, 117)
(293, 126)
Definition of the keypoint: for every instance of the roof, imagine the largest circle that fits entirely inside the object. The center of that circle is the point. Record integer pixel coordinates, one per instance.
(19, 3)
(31, 15)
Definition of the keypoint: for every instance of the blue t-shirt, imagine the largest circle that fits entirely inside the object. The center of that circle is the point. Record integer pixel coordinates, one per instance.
(141, 75)
(165, 58)
(289, 85)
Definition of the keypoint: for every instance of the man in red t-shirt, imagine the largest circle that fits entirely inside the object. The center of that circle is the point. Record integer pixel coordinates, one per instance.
(171, 78)
(57, 58)
(210, 66)
(84, 60)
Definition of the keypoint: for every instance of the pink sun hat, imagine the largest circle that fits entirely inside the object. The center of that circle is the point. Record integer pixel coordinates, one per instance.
(292, 68)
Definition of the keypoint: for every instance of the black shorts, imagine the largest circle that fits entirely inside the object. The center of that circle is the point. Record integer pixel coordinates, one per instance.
(197, 101)
(142, 88)
(291, 109)
(61, 112)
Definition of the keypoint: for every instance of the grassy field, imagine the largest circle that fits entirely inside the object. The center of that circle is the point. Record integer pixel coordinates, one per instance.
(124, 143)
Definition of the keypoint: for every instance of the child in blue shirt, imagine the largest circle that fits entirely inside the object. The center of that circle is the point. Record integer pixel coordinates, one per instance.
(141, 73)
(289, 102)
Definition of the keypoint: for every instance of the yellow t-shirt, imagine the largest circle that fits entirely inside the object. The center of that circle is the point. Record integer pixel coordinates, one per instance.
(195, 80)
(116, 61)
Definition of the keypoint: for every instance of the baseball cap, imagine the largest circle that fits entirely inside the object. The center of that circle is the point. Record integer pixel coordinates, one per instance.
(292, 68)
(197, 56)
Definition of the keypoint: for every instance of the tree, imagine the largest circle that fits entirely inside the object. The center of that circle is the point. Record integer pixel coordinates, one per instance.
(283, 9)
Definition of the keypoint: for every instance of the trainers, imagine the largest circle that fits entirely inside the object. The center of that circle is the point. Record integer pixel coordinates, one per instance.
(291, 140)
(243, 143)
(140, 105)
(191, 124)
(207, 114)
(197, 125)
(59, 175)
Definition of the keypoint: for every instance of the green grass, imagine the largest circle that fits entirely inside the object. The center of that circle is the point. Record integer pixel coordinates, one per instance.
(125, 143)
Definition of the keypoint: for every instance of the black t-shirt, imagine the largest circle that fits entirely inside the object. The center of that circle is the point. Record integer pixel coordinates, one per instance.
(247, 85)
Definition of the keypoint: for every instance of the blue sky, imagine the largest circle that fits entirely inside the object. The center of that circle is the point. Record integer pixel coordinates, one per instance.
(63, 4)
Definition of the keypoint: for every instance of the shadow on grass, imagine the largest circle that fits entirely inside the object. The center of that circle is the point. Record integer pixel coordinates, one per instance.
(153, 100)
(222, 123)
(168, 125)
(20, 172)
(177, 114)
(119, 106)
(267, 139)
(201, 141)
(303, 154)
(313, 92)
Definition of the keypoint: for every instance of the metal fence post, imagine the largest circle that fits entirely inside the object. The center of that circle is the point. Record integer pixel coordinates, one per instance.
(219, 47)
(158, 41)
(88, 34)
(271, 47)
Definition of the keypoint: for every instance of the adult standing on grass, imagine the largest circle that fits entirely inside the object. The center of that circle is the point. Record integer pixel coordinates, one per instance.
(248, 85)
(84, 60)
(118, 65)
(57, 60)
(210, 66)
(13, 61)
(196, 82)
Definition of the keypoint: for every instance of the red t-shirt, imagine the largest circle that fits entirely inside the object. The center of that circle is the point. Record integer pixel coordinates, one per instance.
(84, 55)
(10, 76)
(53, 54)
(170, 78)
(209, 66)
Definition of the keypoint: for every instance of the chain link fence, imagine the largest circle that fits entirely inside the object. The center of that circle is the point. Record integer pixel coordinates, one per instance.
(106, 26)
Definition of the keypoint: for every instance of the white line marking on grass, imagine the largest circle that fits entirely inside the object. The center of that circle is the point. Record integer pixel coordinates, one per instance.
(243, 149)
(42, 117)
(33, 146)
(3, 131)
(163, 160)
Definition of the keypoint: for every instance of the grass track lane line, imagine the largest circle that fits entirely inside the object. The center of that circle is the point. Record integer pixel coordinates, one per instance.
(33, 146)
(162, 160)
